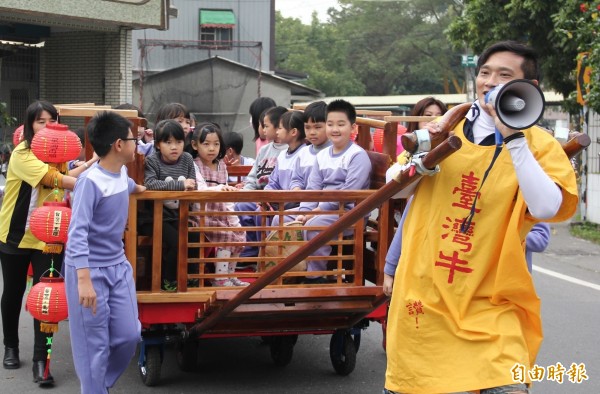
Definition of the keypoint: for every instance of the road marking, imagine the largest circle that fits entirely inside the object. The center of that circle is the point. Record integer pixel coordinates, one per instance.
(567, 278)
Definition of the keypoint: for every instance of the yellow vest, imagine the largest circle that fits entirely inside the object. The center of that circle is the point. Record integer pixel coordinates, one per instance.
(25, 171)
(464, 308)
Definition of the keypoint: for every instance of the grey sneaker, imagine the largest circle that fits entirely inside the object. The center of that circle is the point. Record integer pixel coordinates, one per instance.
(222, 283)
(237, 282)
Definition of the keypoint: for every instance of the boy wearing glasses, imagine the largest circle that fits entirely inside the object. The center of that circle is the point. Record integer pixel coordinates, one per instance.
(103, 315)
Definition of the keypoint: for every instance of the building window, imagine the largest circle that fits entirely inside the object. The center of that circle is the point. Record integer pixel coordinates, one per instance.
(216, 28)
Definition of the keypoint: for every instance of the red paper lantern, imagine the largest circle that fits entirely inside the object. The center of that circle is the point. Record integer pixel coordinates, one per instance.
(47, 302)
(50, 223)
(55, 143)
(18, 135)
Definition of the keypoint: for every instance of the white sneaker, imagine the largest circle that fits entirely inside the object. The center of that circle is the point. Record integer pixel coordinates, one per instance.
(237, 282)
(221, 283)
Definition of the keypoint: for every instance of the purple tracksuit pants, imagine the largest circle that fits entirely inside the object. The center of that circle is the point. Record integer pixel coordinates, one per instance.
(103, 344)
(325, 250)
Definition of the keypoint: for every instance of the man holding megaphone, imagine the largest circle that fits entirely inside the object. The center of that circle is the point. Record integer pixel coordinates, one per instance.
(464, 315)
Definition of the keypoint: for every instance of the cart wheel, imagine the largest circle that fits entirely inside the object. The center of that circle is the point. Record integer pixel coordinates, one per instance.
(187, 355)
(150, 367)
(282, 349)
(342, 352)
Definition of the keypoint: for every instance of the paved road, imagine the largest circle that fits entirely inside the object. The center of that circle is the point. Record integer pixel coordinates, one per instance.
(571, 320)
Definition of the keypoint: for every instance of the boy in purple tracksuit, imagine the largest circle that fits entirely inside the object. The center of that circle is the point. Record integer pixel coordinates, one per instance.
(103, 315)
(343, 166)
(314, 130)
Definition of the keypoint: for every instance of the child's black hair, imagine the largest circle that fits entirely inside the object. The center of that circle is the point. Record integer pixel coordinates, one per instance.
(343, 106)
(275, 114)
(257, 107)
(131, 107)
(205, 128)
(235, 141)
(33, 113)
(317, 112)
(104, 129)
(166, 129)
(294, 120)
(261, 118)
(81, 134)
(172, 111)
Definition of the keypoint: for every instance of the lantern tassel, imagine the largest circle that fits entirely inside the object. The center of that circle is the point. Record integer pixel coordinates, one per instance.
(48, 328)
(52, 248)
(47, 369)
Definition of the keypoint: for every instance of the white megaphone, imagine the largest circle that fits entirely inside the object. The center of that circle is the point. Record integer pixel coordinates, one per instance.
(518, 103)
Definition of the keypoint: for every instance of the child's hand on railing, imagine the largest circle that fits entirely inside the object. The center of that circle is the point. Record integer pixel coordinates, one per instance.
(189, 184)
(227, 188)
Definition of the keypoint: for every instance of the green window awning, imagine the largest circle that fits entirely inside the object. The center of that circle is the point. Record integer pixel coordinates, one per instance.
(217, 18)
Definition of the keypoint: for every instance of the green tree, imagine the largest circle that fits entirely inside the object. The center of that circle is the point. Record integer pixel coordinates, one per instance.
(5, 122)
(374, 48)
(577, 24)
(305, 48)
(532, 21)
(399, 47)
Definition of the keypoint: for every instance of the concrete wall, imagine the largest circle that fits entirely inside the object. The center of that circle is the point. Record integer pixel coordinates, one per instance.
(94, 13)
(86, 67)
(221, 93)
(252, 25)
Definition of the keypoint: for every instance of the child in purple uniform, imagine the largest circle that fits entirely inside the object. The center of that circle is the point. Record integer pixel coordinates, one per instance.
(258, 177)
(290, 132)
(342, 166)
(314, 127)
(103, 315)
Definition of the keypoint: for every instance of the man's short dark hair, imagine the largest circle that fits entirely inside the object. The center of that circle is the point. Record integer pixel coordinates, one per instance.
(105, 128)
(530, 65)
(234, 140)
(343, 106)
(317, 112)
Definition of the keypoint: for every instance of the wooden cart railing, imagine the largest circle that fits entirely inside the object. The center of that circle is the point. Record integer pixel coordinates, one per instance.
(354, 269)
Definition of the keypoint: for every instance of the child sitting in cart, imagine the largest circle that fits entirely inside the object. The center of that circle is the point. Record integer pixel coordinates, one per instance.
(314, 129)
(258, 177)
(291, 132)
(207, 142)
(342, 166)
(169, 168)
